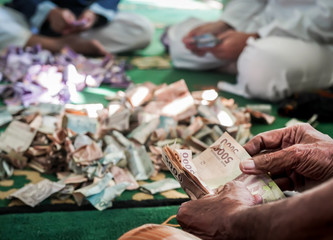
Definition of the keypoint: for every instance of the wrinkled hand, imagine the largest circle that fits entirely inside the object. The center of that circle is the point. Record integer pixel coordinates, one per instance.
(212, 27)
(297, 157)
(232, 44)
(212, 217)
(61, 19)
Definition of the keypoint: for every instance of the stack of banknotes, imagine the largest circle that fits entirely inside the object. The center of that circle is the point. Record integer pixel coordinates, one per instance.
(214, 167)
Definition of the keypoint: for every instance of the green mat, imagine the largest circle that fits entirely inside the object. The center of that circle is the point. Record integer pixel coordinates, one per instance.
(83, 225)
(112, 223)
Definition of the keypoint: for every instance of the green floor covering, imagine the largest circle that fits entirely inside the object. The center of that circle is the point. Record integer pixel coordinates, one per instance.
(112, 223)
(80, 225)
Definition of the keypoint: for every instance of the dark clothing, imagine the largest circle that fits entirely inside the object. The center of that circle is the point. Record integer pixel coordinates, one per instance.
(28, 7)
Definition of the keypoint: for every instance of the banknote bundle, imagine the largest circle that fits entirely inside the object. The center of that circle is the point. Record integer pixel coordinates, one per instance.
(214, 167)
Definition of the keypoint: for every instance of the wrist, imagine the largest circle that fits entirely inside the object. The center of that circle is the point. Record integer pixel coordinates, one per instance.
(251, 224)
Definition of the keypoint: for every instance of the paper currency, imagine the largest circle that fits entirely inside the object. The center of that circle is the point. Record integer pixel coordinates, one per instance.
(151, 62)
(218, 165)
(117, 158)
(80, 124)
(6, 170)
(194, 127)
(92, 189)
(139, 163)
(206, 41)
(87, 154)
(142, 132)
(124, 175)
(33, 194)
(189, 182)
(5, 116)
(49, 124)
(140, 94)
(294, 121)
(264, 108)
(203, 132)
(126, 138)
(173, 101)
(82, 140)
(14, 109)
(116, 117)
(17, 159)
(113, 153)
(90, 110)
(160, 186)
(45, 109)
(18, 137)
(70, 178)
(103, 199)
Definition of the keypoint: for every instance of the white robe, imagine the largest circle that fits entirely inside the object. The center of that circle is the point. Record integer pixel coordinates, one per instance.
(293, 54)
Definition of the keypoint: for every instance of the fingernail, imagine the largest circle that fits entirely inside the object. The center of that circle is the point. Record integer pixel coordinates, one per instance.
(248, 164)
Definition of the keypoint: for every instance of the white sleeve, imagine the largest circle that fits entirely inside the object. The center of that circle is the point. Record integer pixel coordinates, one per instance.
(240, 14)
(315, 24)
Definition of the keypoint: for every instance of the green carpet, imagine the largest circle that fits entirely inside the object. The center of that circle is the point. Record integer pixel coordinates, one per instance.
(112, 223)
(83, 225)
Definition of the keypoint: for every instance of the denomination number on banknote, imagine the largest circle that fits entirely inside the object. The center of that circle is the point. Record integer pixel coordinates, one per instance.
(172, 169)
(224, 156)
(225, 142)
(186, 162)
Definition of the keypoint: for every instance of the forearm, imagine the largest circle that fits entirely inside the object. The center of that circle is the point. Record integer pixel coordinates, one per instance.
(305, 216)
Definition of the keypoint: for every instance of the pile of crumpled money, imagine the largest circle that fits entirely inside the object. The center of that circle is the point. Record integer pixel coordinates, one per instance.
(98, 152)
(33, 75)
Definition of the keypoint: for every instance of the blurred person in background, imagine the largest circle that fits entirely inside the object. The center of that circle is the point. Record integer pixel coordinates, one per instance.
(276, 47)
(88, 27)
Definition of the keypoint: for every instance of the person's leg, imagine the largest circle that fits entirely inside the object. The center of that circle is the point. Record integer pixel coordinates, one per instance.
(75, 42)
(183, 58)
(126, 32)
(273, 68)
(14, 30)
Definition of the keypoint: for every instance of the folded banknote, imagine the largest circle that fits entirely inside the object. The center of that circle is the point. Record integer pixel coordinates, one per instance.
(214, 167)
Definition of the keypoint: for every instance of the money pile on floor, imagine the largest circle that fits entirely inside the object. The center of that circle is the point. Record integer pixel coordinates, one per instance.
(98, 152)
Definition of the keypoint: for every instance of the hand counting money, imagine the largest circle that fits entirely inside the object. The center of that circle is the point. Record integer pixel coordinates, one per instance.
(206, 41)
(214, 167)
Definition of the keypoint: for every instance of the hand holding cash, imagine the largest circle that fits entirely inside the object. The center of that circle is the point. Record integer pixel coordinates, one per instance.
(215, 215)
(205, 41)
(221, 189)
(214, 167)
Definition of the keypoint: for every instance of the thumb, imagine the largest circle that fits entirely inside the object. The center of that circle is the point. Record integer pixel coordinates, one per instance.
(274, 162)
(68, 16)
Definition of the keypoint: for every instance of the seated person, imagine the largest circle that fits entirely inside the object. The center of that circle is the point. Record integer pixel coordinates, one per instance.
(298, 158)
(276, 47)
(88, 27)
